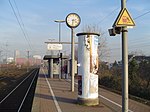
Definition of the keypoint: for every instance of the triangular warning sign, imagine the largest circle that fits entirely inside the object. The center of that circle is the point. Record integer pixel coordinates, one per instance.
(124, 19)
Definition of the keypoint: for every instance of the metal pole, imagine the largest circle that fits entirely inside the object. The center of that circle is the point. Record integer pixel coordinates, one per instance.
(59, 22)
(59, 50)
(59, 32)
(72, 60)
(28, 61)
(124, 65)
(6, 57)
(59, 39)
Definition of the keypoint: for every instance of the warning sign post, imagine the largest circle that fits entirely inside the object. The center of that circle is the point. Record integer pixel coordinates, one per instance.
(124, 19)
(122, 22)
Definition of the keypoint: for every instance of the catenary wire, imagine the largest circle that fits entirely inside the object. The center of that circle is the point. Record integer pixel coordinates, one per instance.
(23, 25)
(142, 15)
(109, 14)
(19, 24)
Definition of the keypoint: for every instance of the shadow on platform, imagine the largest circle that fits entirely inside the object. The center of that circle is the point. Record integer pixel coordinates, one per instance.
(42, 75)
(59, 99)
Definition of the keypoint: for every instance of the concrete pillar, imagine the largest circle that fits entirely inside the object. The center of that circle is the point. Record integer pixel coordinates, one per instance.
(59, 68)
(62, 70)
(51, 68)
(68, 70)
(87, 69)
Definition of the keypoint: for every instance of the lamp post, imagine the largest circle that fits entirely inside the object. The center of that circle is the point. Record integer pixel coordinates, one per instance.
(59, 22)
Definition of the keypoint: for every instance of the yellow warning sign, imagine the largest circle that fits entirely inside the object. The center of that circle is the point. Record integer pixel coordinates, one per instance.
(124, 19)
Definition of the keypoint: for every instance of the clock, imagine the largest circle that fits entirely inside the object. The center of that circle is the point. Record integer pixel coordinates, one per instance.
(73, 20)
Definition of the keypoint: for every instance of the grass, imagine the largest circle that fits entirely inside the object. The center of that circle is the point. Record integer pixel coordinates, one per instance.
(10, 74)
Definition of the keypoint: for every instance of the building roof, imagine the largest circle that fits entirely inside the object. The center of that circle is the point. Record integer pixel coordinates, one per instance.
(47, 57)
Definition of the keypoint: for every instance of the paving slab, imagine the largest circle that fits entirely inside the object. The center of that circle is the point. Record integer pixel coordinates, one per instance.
(54, 95)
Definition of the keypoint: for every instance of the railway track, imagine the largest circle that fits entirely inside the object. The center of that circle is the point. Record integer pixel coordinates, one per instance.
(20, 97)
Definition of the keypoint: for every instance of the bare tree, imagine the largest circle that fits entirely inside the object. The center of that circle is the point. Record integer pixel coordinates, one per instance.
(91, 29)
(103, 50)
(136, 53)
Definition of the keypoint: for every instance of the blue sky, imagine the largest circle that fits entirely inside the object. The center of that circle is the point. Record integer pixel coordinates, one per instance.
(38, 17)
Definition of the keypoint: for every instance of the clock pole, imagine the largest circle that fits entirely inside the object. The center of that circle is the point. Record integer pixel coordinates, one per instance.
(72, 21)
(72, 59)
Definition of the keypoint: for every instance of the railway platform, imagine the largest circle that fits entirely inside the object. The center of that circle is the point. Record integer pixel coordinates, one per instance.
(54, 95)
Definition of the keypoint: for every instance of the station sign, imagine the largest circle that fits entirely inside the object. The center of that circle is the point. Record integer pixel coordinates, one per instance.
(124, 19)
(54, 46)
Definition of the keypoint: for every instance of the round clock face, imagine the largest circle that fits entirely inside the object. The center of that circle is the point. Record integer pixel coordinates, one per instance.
(73, 20)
